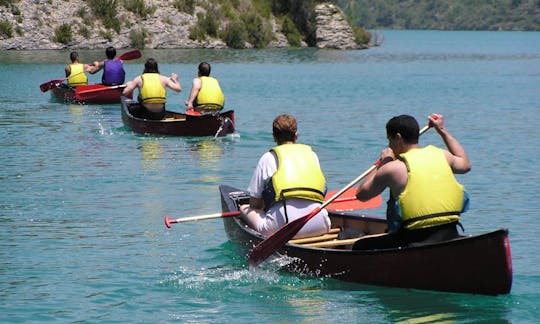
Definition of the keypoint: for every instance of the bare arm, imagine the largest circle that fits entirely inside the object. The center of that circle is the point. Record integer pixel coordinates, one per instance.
(195, 87)
(172, 83)
(131, 85)
(94, 67)
(456, 156)
(390, 173)
(378, 180)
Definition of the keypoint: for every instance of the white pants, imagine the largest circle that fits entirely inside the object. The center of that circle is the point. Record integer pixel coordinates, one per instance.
(269, 222)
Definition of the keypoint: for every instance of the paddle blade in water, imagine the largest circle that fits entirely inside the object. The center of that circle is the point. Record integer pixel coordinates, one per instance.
(275, 241)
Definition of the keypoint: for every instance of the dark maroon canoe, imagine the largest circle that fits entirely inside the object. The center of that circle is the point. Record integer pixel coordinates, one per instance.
(178, 124)
(63, 93)
(479, 264)
(88, 94)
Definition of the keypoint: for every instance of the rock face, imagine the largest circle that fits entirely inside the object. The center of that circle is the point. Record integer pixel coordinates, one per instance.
(333, 30)
(34, 27)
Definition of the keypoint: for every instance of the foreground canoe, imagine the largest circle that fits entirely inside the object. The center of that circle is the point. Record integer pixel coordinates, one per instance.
(89, 94)
(178, 124)
(479, 264)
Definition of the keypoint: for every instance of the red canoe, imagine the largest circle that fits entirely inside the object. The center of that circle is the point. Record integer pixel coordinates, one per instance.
(89, 94)
(479, 264)
(178, 124)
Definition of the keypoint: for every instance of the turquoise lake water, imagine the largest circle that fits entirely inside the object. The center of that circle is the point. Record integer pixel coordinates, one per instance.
(82, 201)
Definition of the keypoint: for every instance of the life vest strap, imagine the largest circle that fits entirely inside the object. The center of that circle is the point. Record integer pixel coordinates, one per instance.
(301, 188)
(209, 106)
(419, 218)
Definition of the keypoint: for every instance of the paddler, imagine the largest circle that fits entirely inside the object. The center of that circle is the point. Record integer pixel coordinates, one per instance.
(287, 184)
(425, 198)
(76, 71)
(152, 94)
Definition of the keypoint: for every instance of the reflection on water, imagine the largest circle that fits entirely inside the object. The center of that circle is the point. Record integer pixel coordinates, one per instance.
(150, 153)
(418, 306)
(76, 110)
(184, 56)
(207, 152)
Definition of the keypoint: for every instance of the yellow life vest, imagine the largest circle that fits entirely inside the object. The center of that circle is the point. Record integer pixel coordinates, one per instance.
(210, 95)
(152, 91)
(298, 174)
(77, 76)
(432, 195)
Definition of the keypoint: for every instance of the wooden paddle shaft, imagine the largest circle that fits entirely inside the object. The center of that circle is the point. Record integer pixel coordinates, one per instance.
(169, 221)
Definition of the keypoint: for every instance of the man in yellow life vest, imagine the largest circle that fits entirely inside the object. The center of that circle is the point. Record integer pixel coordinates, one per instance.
(425, 198)
(76, 71)
(206, 95)
(287, 184)
(152, 94)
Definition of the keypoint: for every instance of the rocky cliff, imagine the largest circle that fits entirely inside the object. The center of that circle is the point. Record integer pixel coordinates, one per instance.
(35, 22)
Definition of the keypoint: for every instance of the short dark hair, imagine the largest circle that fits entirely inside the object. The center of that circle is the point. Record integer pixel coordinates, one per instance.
(110, 52)
(204, 69)
(151, 66)
(73, 56)
(284, 128)
(405, 125)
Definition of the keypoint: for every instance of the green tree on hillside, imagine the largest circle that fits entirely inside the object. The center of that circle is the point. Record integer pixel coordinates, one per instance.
(444, 15)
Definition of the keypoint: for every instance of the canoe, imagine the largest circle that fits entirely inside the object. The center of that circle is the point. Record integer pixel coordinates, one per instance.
(99, 93)
(63, 93)
(88, 94)
(177, 124)
(479, 264)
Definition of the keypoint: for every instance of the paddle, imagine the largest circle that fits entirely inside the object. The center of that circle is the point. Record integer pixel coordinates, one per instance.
(169, 221)
(275, 241)
(46, 86)
(131, 55)
(80, 94)
(193, 112)
(347, 203)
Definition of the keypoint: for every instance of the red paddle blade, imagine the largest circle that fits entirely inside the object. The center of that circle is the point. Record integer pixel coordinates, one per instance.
(131, 55)
(272, 243)
(348, 201)
(193, 112)
(50, 85)
(93, 90)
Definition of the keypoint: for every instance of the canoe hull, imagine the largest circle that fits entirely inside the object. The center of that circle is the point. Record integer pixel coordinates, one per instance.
(63, 94)
(100, 94)
(476, 264)
(178, 124)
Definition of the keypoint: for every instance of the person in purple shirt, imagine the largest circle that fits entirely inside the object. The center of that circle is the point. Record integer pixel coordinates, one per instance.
(113, 68)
